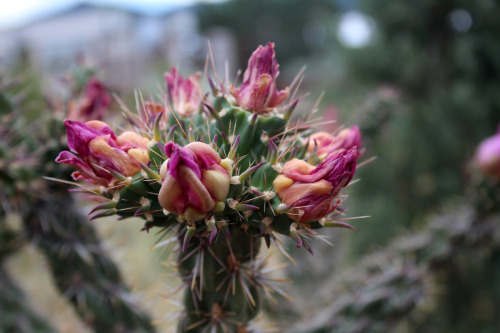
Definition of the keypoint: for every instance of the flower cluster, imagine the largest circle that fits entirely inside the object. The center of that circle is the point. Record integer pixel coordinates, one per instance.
(223, 172)
(208, 162)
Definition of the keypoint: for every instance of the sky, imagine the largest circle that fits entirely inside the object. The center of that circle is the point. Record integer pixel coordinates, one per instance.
(15, 13)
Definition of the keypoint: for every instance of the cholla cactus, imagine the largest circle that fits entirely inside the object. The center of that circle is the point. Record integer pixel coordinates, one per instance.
(221, 172)
(441, 278)
(52, 221)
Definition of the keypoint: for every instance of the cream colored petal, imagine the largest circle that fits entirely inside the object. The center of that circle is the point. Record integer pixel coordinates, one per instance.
(281, 182)
(169, 195)
(298, 191)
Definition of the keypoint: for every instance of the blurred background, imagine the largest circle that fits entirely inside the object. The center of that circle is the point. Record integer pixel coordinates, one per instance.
(420, 78)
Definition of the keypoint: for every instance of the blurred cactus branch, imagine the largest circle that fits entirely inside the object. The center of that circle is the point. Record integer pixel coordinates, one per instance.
(17, 315)
(82, 270)
(439, 272)
(51, 220)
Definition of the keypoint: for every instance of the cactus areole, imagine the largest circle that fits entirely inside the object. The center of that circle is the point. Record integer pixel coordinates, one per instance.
(219, 172)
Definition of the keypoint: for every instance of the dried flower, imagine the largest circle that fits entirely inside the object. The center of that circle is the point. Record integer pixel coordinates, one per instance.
(258, 91)
(183, 94)
(101, 152)
(193, 181)
(327, 143)
(312, 192)
(93, 105)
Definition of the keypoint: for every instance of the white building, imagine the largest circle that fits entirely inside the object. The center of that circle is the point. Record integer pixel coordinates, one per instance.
(122, 42)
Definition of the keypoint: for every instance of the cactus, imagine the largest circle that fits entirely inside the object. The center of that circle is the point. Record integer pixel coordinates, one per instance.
(17, 316)
(218, 174)
(52, 221)
(443, 278)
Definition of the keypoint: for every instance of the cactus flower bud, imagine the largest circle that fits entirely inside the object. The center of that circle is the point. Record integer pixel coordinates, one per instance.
(327, 143)
(101, 152)
(312, 192)
(183, 94)
(93, 105)
(487, 156)
(194, 180)
(258, 91)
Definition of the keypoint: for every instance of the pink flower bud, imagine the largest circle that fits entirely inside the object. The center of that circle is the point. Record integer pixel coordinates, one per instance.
(194, 180)
(487, 156)
(258, 91)
(312, 192)
(344, 140)
(183, 94)
(93, 105)
(101, 152)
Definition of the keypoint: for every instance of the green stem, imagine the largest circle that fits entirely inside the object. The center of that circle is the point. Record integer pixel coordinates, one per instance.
(81, 269)
(222, 292)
